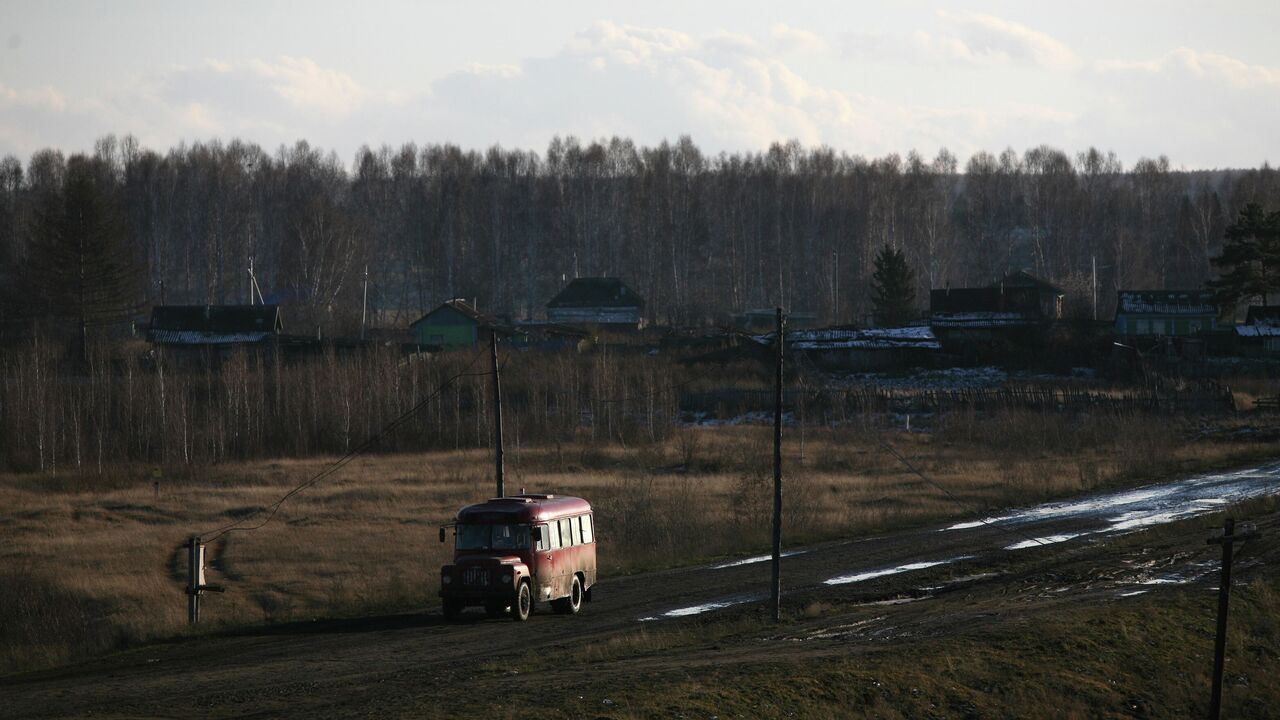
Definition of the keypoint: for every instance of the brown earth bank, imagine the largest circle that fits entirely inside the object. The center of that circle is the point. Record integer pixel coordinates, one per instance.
(953, 620)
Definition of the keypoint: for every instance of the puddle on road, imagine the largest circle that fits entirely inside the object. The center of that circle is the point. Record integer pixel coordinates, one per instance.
(1142, 507)
(756, 559)
(703, 608)
(870, 574)
(1046, 540)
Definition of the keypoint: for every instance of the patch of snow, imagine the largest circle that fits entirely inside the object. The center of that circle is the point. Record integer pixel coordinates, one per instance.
(704, 607)
(1046, 540)
(755, 417)
(756, 559)
(944, 379)
(870, 574)
(982, 319)
(1257, 331)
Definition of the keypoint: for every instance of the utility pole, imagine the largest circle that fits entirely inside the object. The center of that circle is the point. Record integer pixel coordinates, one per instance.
(497, 414)
(1227, 538)
(364, 303)
(779, 341)
(195, 578)
(1093, 261)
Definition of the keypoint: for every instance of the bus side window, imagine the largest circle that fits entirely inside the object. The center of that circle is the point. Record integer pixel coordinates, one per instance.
(553, 536)
(574, 532)
(587, 534)
(566, 536)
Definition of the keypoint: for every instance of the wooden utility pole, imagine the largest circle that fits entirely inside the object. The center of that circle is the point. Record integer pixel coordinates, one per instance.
(195, 578)
(779, 341)
(1227, 538)
(364, 302)
(497, 414)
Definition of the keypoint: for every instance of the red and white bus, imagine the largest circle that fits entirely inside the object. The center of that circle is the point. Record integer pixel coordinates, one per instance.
(511, 553)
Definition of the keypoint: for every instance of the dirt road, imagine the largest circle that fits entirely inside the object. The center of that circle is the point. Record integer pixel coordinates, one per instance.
(396, 665)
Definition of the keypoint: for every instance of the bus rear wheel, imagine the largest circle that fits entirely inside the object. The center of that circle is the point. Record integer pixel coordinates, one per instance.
(522, 604)
(572, 604)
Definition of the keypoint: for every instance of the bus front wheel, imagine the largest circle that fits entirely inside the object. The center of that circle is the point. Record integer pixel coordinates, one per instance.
(452, 608)
(523, 603)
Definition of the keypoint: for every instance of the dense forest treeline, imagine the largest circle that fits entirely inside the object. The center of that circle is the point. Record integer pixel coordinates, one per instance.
(698, 236)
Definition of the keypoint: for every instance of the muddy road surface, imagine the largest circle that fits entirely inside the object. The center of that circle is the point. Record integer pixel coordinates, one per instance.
(383, 666)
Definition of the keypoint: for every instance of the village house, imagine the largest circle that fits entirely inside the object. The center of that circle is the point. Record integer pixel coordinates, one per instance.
(988, 322)
(868, 350)
(604, 302)
(1259, 336)
(1164, 313)
(456, 323)
(214, 326)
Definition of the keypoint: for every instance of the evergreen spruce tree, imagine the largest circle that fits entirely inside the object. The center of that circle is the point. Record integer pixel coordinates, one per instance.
(1249, 266)
(82, 274)
(893, 288)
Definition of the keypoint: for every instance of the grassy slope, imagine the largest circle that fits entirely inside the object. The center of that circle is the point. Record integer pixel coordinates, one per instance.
(1012, 657)
(91, 564)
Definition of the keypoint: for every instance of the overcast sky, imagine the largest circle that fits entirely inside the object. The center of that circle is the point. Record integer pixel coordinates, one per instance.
(1142, 78)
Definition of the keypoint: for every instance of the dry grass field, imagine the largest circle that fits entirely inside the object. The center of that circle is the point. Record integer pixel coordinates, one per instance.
(91, 563)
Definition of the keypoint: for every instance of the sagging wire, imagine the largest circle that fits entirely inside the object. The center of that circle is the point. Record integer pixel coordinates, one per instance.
(347, 458)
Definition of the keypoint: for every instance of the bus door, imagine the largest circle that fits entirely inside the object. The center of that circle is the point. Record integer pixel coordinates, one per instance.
(548, 559)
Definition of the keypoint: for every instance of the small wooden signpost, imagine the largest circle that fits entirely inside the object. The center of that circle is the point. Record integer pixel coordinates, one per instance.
(195, 579)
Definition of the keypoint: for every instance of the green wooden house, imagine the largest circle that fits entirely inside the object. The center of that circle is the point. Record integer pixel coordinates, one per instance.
(1144, 313)
(456, 323)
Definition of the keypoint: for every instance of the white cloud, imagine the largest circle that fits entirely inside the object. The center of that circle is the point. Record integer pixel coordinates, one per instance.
(1210, 109)
(731, 92)
(987, 37)
(310, 87)
(788, 39)
(1185, 64)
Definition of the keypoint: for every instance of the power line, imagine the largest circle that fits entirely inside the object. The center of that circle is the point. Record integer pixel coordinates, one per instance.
(902, 459)
(351, 454)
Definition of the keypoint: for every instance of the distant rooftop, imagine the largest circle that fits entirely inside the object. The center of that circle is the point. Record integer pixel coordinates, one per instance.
(1166, 302)
(213, 324)
(463, 308)
(599, 292)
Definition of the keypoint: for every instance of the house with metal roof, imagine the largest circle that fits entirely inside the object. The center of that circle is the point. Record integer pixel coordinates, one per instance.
(1000, 322)
(214, 326)
(604, 301)
(1259, 336)
(1148, 313)
(1016, 300)
(456, 323)
(864, 350)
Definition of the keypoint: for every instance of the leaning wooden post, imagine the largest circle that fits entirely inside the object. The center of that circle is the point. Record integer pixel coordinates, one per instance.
(497, 414)
(779, 341)
(195, 578)
(1228, 538)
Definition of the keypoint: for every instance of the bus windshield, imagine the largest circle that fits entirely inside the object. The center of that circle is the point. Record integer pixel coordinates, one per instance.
(492, 537)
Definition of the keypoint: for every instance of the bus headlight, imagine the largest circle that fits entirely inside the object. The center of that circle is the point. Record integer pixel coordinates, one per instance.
(445, 579)
(506, 579)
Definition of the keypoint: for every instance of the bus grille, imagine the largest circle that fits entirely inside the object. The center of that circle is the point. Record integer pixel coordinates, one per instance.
(475, 576)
